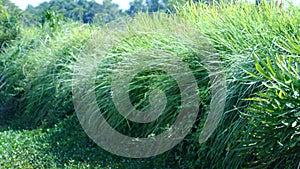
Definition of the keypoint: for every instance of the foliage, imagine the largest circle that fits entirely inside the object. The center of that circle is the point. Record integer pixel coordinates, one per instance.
(109, 12)
(238, 39)
(51, 21)
(9, 23)
(274, 113)
(64, 146)
(154, 6)
(142, 36)
(136, 6)
(10, 30)
(36, 75)
(260, 56)
(80, 10)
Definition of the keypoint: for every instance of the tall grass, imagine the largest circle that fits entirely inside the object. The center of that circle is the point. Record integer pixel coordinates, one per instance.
(152, 41)
(240, 32)
(37, 73)
(9, 25)
(274, 113)
(252, 42)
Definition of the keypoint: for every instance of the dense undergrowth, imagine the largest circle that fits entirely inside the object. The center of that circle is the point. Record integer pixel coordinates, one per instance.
(260, 51)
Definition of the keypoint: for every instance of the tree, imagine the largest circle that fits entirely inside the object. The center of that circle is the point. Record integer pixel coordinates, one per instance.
(77, 10)
(155, 5)
(109, 11)
(145, 5)
(136, 6)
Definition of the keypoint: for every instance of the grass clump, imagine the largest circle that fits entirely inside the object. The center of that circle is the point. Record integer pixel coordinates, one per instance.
(151, 50)
(10, 25)
(37, 73)
(274, 112)
(240, 32)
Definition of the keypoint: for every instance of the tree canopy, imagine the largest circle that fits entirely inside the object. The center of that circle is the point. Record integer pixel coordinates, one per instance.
(78, 10)
(89, 11)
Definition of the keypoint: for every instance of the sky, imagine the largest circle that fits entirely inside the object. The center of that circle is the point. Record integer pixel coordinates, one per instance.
(123, 4)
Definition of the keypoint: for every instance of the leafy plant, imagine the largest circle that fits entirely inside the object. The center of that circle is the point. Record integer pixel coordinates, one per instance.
(51, 20)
